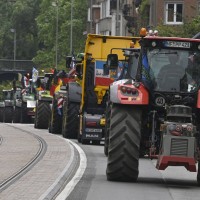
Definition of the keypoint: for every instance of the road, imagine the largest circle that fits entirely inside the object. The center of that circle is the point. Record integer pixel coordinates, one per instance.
(175, 183)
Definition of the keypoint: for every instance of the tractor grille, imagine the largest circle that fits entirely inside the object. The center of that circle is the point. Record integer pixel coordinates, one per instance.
(179, 147)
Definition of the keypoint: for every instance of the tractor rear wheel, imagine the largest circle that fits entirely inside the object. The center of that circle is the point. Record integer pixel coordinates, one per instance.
(198, 174)
(124, 143)
(55, 119)
(107, 129)
(42, 116)
(25, 118)
(1, 114)
(8, 114)
(16, 116)
(70, 124)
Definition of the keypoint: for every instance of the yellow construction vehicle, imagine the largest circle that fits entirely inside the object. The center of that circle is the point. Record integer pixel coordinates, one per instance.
(96, 78)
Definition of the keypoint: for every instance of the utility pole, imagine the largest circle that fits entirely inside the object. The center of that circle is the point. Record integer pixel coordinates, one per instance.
(91, 2)
(71, 31)
(55, 4)
(117, 19)
(15, 45)
(57, 36)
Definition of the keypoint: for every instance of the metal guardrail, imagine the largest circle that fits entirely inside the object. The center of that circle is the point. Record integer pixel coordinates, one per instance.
(10, 65)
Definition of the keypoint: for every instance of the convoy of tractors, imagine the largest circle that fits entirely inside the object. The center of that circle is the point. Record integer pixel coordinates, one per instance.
(140, 95)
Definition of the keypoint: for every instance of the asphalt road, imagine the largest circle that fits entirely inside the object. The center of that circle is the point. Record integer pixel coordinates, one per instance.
(175, 183)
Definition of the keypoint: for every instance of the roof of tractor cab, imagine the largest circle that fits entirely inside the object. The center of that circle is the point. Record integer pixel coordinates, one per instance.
(171, 43)
(171, 38)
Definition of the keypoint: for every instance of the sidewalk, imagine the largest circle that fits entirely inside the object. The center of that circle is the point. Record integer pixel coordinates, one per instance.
(48, 176)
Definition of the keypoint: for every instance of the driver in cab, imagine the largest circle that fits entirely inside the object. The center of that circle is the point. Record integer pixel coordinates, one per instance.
(170, 74)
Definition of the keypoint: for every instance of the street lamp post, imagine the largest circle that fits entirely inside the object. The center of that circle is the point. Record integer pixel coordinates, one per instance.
(91, 17)
(14, 50)
(117, 20)
(56, 46)
(71, 30)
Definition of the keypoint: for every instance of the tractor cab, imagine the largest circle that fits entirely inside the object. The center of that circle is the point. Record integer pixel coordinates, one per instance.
(170, 64)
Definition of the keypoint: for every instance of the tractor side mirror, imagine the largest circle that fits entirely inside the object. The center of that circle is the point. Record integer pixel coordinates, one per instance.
(112, 61)
(68, 61)
(105, 70)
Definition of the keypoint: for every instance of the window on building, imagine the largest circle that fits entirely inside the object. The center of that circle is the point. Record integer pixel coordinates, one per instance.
(174, 13)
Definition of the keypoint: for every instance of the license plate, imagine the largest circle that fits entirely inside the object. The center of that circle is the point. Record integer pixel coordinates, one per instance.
(177, 44)
(94, 130)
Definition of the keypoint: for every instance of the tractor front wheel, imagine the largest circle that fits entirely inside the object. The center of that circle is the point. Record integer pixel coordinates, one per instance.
(1, 114)
(124, 143)
(42, 116)
(107, 129)
(8, 114)
(198, 174)
(70, 125)
(55, 124)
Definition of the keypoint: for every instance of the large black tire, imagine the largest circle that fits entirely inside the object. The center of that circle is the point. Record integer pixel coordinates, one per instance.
(198, 174)
(42, 116)
(16, 116)
(24, 118)
(35, 119)
(124, 143)
(79, 137)
(8, 114)
(107, 128)
(55, 124)
(70, 124)
(1, 114)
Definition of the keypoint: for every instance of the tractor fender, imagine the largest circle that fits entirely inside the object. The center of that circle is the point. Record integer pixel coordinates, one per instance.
(18, 103)
(114, 93)
(114, 90)
(141, 96)
(9, 103)
(2, 104)
(74, 92)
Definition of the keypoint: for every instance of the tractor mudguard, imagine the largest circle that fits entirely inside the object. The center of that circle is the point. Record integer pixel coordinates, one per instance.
(9, 103)
(74, 90)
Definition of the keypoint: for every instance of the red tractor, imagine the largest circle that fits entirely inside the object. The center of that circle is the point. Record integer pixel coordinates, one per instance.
(154, 109)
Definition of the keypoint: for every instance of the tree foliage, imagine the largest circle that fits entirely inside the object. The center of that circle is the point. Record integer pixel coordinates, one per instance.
(46, 22)
(35, 24)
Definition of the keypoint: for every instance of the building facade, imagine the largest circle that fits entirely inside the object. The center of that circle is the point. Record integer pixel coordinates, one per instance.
(126, 17)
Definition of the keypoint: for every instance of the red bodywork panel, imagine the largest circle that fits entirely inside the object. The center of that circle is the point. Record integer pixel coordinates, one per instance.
(198, 99)
(31, 112)
(64, 80)
(165, 161)
(141, 99)
(103, 81)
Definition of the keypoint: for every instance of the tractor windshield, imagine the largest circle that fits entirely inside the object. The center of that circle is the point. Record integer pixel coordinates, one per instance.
(173, 70)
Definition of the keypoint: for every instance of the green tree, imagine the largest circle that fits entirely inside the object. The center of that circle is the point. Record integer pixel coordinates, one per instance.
(35, 24)
(20, 16)
(46, 22)
(188, 29)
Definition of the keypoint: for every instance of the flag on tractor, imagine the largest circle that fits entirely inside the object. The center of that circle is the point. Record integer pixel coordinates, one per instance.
(34, 75)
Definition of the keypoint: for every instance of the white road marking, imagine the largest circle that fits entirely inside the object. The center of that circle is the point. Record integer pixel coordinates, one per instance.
(81, 169)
